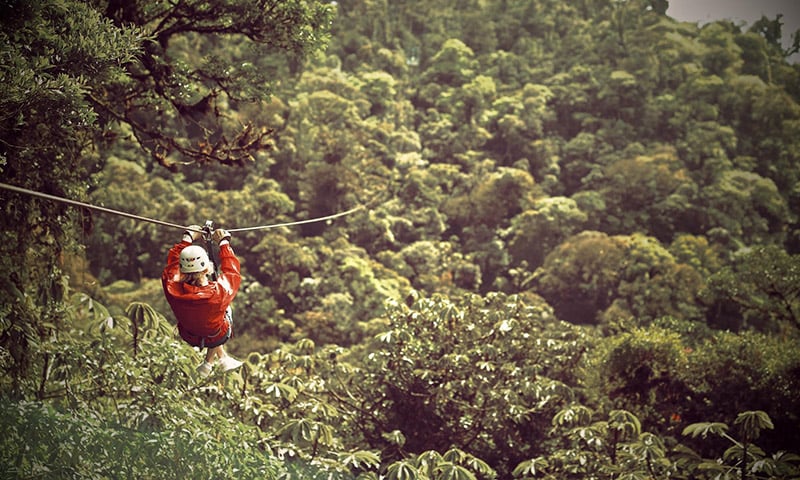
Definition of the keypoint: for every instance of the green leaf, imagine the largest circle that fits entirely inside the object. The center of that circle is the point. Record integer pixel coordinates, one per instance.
(396, 437)
(280, 390)
(624, 422)
(649, 447)
(573, 415)
(305, 346)
(480, 466)
(450, 471)
(704, 428)
(752, 422)
(299, 430)
(736, 452)
(401, 471)
(532, 467)
(360, 459)
(454, 455)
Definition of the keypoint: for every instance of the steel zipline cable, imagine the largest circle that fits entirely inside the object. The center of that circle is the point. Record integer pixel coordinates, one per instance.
(46, 196)
(298, 222)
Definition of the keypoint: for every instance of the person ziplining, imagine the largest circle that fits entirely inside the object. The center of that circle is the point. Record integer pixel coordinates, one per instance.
(201, 305)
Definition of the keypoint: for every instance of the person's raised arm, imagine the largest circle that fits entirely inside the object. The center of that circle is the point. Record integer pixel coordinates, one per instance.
(228, 263)
(174, 255)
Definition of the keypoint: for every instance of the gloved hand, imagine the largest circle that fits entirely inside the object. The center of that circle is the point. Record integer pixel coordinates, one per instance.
(220, 235)
(194, 231)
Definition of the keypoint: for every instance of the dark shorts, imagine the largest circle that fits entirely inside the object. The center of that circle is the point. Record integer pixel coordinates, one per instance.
(216, 340)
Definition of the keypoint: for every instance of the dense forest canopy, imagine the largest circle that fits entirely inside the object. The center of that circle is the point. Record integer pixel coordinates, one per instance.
(573, 249)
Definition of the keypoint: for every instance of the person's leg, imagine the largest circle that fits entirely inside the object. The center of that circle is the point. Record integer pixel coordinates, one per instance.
(229, 319)
(226, 361)
(213, 353)
(205, 368)
(218, 352)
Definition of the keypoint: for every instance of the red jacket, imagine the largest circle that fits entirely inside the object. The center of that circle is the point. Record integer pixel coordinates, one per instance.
(200, 311)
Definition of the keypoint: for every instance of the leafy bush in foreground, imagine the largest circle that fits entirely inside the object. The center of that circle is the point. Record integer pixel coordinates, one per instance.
(39, 441)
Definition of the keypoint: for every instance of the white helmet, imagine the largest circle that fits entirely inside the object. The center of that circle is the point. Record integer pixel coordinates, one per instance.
(194, 259)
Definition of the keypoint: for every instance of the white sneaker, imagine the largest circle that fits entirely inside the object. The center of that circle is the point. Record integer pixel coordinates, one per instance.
(204, 369)
(229, 363)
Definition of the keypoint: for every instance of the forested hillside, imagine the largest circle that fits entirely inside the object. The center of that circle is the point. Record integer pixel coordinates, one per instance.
(571, 247)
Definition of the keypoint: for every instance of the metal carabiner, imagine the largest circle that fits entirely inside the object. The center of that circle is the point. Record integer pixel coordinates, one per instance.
(208, 228)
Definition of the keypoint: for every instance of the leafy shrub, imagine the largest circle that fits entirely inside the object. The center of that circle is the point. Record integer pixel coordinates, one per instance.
(39, 441)
(484, 374)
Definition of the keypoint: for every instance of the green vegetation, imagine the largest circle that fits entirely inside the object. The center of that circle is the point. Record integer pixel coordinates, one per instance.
(578, 254)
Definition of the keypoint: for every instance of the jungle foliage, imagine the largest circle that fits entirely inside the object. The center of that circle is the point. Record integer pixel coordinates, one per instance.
(577, 254)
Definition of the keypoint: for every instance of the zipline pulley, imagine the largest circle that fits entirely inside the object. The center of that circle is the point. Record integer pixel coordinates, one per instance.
(208, 229)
